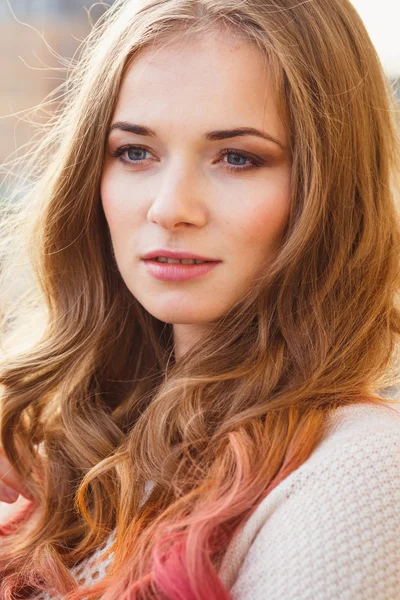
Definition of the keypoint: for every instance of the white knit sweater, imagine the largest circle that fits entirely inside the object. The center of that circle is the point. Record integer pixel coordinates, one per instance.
(329, 531)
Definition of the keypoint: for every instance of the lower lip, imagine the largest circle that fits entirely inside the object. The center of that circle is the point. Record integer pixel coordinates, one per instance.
(178, 272)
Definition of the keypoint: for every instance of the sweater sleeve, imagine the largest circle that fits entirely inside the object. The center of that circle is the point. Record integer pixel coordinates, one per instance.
(337, 534)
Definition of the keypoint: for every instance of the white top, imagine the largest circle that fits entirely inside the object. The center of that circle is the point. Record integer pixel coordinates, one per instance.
(329, 531)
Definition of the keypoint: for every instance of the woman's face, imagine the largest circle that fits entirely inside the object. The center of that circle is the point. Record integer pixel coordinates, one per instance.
(224, 197)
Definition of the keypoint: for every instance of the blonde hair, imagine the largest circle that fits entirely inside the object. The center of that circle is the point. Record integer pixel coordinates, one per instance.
(96, 405)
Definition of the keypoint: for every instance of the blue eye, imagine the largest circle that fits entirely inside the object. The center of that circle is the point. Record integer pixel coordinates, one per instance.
(254, 162)
(130, 152)
(239, 156)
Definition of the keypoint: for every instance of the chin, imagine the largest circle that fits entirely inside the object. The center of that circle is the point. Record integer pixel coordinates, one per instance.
(182, 307)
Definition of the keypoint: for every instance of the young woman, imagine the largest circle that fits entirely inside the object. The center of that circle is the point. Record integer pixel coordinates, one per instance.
(210, 430)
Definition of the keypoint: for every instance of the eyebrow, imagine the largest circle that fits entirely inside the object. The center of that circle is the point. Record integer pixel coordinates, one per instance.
(211, 136)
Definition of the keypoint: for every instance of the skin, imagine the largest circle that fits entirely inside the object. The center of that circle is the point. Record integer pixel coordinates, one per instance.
(178, 193)
(13, 494)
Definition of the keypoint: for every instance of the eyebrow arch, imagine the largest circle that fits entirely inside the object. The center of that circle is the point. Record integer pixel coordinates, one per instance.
(211, 136)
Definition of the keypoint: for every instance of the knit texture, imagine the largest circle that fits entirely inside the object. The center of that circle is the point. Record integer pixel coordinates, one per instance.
(87, 571)
(329, 531)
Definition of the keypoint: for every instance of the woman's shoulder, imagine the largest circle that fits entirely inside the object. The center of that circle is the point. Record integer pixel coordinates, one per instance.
(355, 417)
(360, 439)
(346, 494)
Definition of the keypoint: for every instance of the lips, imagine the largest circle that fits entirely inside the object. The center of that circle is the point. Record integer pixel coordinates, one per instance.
(176, 255)
(178, 271)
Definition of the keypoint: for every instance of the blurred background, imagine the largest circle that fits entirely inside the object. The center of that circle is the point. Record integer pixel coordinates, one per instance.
(28, 69)
(32, 34)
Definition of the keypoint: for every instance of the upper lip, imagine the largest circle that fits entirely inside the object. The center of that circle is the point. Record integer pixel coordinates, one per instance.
(176, 255)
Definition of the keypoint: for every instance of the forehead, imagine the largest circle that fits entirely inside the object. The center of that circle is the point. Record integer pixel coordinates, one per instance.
(200, 81)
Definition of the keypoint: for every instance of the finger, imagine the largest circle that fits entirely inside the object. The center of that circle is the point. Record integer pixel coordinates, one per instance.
(9, 477)
(8, 494)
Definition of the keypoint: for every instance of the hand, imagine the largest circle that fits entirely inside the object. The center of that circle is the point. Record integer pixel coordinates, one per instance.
(10, 485)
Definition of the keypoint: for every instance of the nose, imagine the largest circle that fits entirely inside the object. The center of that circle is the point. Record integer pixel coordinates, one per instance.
(179, 201)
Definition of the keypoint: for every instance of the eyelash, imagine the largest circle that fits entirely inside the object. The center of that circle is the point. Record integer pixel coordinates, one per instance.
(254, 161)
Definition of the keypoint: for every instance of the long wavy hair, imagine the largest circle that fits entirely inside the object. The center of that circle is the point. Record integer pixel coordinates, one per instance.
(94, 403)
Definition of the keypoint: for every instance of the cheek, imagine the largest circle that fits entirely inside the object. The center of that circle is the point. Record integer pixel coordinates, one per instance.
(262, 220)
(116, 202)
(107, 195)
(114, 207)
